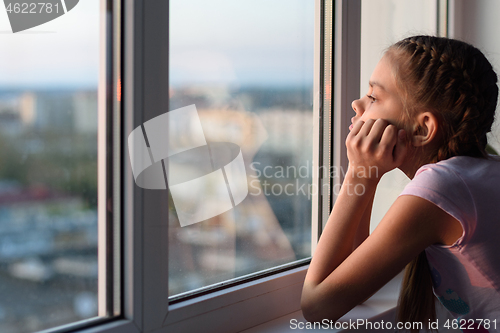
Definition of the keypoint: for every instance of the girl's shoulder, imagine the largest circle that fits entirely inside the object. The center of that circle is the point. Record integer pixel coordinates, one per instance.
(465, 167)
(462, 186)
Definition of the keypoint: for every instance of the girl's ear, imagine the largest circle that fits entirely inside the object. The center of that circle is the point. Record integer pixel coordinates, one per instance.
(425, 130)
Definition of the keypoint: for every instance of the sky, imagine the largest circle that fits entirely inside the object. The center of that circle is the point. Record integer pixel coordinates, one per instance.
(251, 42)
(257, 42)
(62, 52)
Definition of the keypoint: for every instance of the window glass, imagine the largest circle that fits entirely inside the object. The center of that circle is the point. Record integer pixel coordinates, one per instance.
(240, 159)
(393, 21)
(48, 164)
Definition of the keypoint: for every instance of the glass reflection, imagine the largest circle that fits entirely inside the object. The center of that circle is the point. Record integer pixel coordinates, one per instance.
(247, 67)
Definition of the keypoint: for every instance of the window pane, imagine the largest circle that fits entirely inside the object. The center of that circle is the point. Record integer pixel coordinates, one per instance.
(240, 190)
(48, 169)
(394, 20)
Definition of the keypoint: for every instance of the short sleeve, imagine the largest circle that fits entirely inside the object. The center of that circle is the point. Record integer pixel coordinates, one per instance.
(442, 186)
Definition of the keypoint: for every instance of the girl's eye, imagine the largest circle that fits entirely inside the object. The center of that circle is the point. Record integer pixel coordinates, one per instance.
(373, 99)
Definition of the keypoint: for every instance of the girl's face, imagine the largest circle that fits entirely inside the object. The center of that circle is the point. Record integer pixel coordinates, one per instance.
(382, 99)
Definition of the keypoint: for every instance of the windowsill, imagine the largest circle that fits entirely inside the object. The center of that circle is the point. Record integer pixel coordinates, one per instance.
(381, 302)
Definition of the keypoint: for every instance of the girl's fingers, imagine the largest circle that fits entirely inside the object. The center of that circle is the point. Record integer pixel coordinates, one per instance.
(356, 128)
(365, 130)
(389, 136)
(376, 143)
(379, 129)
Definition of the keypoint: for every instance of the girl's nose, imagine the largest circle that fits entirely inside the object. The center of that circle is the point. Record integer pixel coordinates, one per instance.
(357, 106)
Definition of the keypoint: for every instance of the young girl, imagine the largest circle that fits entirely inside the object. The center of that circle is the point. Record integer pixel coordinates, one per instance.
(430, 103)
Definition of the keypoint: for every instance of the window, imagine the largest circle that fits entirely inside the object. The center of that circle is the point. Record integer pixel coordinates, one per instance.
(49, 92)
(245, 70)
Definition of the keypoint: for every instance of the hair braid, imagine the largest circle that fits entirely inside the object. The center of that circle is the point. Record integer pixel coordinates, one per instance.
(456, 82)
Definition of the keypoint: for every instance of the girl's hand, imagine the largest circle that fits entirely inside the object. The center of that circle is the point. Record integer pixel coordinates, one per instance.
(374, 148)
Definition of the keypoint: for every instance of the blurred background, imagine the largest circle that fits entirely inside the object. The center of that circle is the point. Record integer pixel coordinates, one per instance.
(48, 170)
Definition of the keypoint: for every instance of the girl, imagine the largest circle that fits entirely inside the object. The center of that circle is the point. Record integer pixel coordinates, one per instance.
(430, 103)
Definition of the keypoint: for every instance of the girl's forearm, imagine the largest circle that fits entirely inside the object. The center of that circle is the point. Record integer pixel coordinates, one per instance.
(364, 225)
(347, 227)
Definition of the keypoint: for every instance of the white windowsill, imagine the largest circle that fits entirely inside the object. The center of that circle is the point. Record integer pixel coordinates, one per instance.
(379, 304)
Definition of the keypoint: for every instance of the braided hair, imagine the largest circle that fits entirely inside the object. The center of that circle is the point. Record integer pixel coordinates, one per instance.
(456, 82)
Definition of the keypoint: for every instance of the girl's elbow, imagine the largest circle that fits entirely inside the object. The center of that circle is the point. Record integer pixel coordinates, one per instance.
(313, 307)
(314, 317)
(308, 311)
(308, 304)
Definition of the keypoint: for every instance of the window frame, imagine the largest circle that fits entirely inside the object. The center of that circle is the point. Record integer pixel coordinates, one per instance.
(109, 165)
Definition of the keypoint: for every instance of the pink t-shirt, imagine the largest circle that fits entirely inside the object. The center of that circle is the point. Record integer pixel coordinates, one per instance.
(466, 275)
